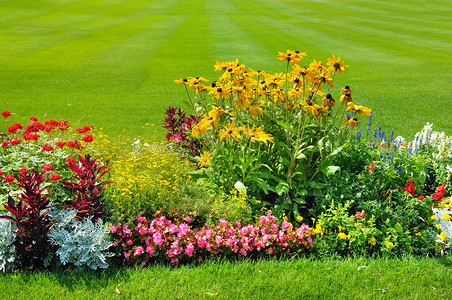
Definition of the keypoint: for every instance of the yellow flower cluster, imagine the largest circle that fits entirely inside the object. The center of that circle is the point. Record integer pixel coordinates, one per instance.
(142, 172)
(239, 94)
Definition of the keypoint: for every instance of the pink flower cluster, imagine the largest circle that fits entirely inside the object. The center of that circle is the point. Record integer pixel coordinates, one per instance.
(180, 242)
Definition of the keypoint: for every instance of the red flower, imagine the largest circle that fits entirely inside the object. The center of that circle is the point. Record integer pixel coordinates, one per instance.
(23, 171)
(6, 114)
(371, 167)
(74, 144)
(399, 189)
(420, 198)
(409, 187)
(35, 127)
(1, 173)
(439, 193)
(60, 144)
(87, 138)
(55, 177)
(33, 119)
(6, 143)
(84, 129)
(70, 160)
(14, 128)
(47, 148)
(14, 141)
(360, 214)
(30, 136)
(64, 125)
(47, 167)
(9, 178)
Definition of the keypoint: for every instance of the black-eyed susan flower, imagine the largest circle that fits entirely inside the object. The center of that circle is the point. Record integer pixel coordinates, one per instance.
(219, 91)
(336, 64)
(328, 100)
(256, 111)
(316, 66)
(352, 122)
(230, 132)
(258, 135)
(346, 90)
(181, 81)
(221, 66)
(204, 159)
(324, 78)
(359, 109)
(346, 98)
(292, 56)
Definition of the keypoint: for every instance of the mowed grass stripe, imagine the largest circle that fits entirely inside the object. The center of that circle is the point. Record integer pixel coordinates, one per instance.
(81, 41)
(120, 58)
(399, 82)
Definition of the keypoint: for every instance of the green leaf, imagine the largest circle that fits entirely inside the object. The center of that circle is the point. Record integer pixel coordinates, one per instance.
(282, 188)
(299, 200)
(262, 184)
(286, 126)
(300, 154)
(330, 170)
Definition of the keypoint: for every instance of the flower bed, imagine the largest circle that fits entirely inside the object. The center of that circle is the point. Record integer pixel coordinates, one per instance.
(266, 165)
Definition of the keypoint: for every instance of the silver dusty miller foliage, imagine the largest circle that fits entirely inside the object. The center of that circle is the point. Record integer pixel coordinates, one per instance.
(7, 250)
(81, 243)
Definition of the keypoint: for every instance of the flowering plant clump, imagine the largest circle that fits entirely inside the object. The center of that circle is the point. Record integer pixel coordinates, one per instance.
(42, 146)
(162, 239)
(275, 134)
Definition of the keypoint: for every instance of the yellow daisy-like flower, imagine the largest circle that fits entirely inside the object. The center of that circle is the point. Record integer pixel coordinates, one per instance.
(418, 234)
(256, 111)
(433, 217)
(443, 236)
(372, 241)
(258, 134)
(231, 132)
(299, 218)
(347, 98)
(336, 64)
(221, 66)
(292, 56)
(346, 90)
(447, 217)
(204, 159)
(352, 122)
(342, 236)
(318, 230)
(359, 109)
(437, 226)
(389, 245)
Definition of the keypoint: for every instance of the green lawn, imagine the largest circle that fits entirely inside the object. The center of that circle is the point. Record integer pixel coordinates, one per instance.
(112, 63)
(408, 278)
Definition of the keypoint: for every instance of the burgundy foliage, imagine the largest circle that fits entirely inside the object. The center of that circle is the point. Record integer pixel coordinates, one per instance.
(88, 200)
(179, 125)
(33, 224)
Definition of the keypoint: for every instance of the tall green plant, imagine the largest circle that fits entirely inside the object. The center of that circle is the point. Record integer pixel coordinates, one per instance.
(273, 136)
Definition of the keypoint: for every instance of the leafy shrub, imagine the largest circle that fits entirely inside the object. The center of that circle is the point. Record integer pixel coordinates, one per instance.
(274, 134)
(179, 127)
(7, 250)
(32, 221)
(80, 242)
(161, 239)
(89, 201)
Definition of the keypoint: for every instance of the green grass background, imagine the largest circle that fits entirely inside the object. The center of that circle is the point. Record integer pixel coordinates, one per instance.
(407, 278)
(112, 63)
